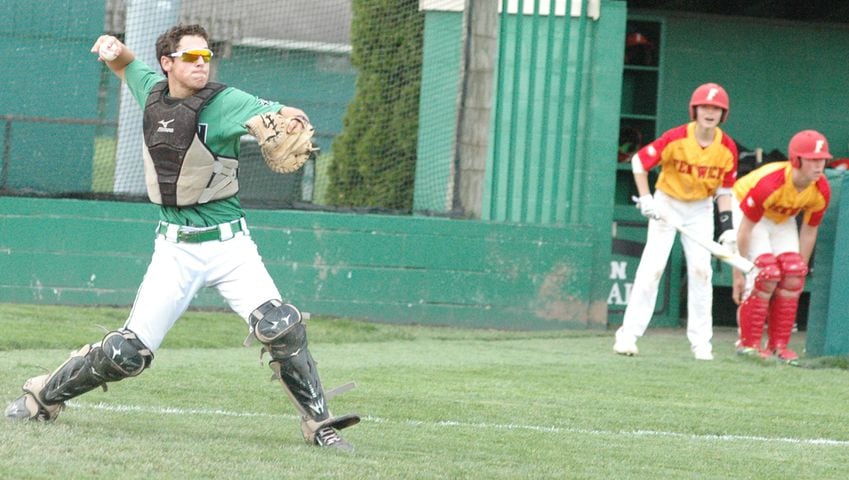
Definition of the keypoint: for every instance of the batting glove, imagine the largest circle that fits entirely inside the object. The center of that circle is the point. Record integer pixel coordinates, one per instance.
(648, 207)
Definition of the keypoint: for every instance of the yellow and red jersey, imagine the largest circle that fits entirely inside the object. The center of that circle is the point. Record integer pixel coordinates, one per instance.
(687, 170)
(769, 192)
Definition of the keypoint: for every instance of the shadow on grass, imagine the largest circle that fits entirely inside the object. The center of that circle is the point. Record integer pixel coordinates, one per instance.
(816, 363)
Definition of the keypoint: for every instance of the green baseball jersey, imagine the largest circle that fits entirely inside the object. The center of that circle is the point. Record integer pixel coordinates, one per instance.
(221, 126)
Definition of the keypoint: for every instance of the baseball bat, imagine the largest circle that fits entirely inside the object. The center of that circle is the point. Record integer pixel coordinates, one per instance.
(718, 250)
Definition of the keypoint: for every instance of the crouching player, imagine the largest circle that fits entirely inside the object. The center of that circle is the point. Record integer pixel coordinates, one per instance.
(768, 202)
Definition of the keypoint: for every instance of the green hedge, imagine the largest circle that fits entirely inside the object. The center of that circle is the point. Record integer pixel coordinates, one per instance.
(375, 154)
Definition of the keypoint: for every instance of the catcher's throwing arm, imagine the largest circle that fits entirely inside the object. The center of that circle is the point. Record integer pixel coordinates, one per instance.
(718, 250)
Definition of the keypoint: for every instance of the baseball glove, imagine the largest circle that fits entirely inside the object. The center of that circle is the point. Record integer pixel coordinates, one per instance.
(283, 152)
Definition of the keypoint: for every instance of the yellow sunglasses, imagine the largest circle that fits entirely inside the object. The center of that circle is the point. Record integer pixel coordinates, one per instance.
(192, 55)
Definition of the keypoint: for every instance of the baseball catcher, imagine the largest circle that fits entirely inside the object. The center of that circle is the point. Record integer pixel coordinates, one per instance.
(192, 129)
(768, 200)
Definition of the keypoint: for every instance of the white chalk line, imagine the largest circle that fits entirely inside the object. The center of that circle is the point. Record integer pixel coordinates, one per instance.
(489, 426)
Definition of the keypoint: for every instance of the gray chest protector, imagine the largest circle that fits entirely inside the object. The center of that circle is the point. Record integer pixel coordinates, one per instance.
(179, 169)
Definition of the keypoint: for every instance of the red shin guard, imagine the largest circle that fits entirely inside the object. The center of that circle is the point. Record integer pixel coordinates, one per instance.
(753, 311)
(785, 302)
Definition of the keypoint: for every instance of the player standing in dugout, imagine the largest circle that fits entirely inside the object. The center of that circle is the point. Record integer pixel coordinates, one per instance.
(698, 163)
(767, 202)
(192, 129)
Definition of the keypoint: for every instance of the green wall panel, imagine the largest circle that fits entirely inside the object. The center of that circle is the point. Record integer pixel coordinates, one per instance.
(438, 110)
(49, 72)
(74, 236)
(50, 157)
(828, 312)
(382, 268)
(553, 117)
(781, 76)
(43, 18)
(48, 270)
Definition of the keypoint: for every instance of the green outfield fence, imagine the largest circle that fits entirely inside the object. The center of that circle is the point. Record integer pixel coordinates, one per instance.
(520, 216)
(445, 261)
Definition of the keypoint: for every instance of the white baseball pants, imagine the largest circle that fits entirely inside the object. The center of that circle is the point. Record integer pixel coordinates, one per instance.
(698, 216)
(178, 271)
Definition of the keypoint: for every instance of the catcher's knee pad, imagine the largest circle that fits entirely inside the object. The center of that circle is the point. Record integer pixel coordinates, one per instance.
(793, 271)
(769, 274)
(279, 326)
(123, 355)
(785, 303)
(119, 355)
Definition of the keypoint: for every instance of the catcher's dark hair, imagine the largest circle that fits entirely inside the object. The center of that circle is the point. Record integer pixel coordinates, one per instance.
(167, 43)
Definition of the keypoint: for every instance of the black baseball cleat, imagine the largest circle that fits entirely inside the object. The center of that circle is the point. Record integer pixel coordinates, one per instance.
(330, 438)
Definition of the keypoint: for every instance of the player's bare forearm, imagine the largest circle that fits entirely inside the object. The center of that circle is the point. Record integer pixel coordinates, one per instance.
(723, 203)
(738, 283)
(641, 180)
(807, 240)
(744, 236)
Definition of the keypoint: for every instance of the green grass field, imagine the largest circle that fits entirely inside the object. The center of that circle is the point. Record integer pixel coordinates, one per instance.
(436, 403)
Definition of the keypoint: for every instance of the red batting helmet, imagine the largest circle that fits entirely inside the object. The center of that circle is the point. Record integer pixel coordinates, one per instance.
(709, 94)
(807, 144)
